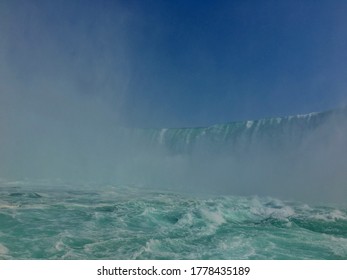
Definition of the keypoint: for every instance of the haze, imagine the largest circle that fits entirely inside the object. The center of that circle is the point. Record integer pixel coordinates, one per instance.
(73, 73)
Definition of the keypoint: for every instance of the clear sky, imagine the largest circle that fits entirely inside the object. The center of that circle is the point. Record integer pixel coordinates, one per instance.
(171, 63)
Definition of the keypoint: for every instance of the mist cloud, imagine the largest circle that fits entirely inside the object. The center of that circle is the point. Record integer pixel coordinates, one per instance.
(69, 84)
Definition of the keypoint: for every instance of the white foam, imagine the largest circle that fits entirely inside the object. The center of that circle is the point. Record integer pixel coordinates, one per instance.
(338, 215)
(226, 131)
(213, 216)
(59, 245)
(8, 206)
(161, 135)
(249, 124)
(276, 209)
(152, 245)
(3, 250)
(308, 116)
(186, 220)
(188, 136)
(331, 216)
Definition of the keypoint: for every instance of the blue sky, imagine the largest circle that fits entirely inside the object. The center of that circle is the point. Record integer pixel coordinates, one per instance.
(171, 63)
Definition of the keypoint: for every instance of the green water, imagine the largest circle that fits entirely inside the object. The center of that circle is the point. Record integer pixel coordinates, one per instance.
(122, 222)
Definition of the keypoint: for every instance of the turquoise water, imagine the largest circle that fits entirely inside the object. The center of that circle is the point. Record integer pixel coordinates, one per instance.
(301, 159)
(129, 222)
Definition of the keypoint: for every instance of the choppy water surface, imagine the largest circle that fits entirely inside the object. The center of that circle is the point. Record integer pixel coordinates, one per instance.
(121, 222)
